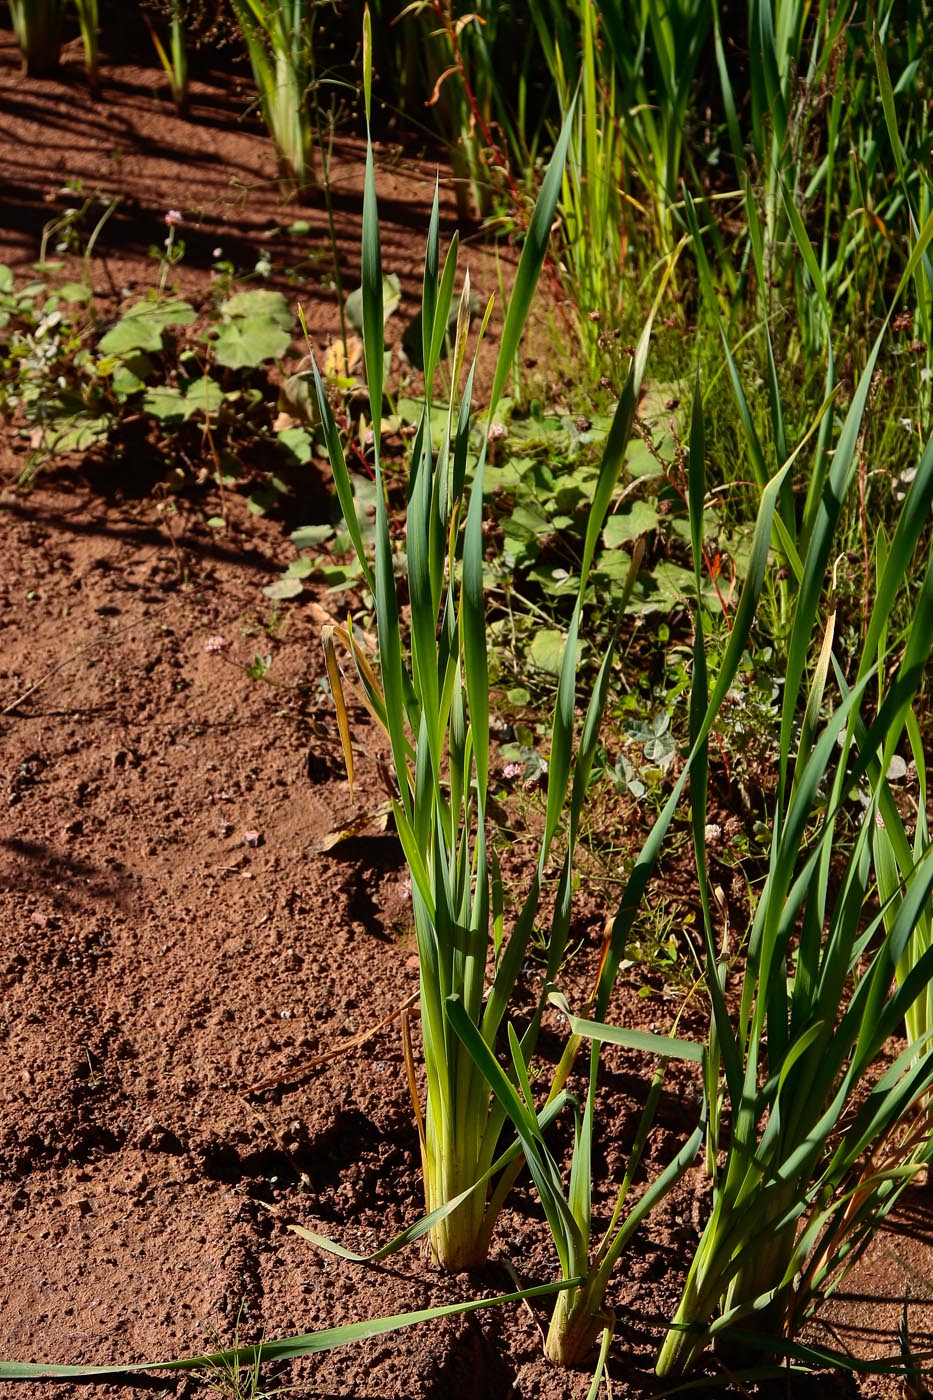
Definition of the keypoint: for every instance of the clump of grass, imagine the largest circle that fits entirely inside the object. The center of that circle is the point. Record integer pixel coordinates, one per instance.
(279, 39)
(821, 1141)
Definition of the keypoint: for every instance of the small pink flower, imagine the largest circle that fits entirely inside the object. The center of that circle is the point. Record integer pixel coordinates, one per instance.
(512, 770)
(173, 217)
(215, 645)
(496, 431)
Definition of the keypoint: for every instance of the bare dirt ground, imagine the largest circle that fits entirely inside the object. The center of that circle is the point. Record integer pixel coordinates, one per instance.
(171, 932)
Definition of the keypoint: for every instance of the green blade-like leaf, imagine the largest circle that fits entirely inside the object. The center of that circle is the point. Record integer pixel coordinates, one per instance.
(532, 258)
(648, 1041)
(338, 465)
(279, 1349)
(565, 1231)
(372, 290)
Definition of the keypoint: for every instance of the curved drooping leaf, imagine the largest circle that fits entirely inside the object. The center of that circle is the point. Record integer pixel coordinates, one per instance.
(282, 1349)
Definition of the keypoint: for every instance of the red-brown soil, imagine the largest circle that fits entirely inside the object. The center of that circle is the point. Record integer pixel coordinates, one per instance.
(170, 932)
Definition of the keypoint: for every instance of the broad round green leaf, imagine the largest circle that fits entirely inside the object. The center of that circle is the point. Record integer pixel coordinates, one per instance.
(299, 568)
(547, 650)
(204, 395)
(165, 403)
(246, 342)
(283, 588)
(142, 325)
(268, 305)
(641, 517)
(310, 536)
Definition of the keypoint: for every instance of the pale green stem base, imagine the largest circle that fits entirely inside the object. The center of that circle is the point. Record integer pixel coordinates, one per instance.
(704, 1299)
(576, 1323)
(461, 1239)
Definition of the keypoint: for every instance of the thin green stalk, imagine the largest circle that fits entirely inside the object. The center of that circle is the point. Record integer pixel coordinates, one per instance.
(174, 60)
(38, 28)
(88, 19)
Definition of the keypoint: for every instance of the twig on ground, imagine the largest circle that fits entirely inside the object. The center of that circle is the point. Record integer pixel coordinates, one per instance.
(60, 665)
(301, 1071)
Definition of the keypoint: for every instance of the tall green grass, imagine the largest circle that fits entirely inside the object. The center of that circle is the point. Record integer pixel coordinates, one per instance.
(805, 121)
(594, 222)
(431, 697)
(821, 104)
(822, 1137)
(174, 59)
(39, 29)
(279, 36)
(897, 857)
(580, 1312)
(470, 76)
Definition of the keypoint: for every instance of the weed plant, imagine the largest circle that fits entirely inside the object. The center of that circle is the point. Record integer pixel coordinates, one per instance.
(69, 384)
